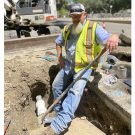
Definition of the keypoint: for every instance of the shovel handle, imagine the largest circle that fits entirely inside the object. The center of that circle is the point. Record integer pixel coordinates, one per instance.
(102, 52)
(6, 123)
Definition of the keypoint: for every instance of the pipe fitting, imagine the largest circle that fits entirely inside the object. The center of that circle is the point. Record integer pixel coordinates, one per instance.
(111, 59)
(106, 66)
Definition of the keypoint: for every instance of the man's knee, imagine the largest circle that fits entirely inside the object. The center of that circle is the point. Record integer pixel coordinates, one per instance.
(78, 87)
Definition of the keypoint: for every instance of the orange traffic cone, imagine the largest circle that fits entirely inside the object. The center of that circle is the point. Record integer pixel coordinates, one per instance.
(104, 25)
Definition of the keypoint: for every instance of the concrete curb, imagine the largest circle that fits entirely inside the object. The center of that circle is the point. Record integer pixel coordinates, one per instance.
(18, 40)
(29, 42)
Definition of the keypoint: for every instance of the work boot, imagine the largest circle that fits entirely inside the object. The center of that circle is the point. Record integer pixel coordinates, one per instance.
(48, 131)
(49, 118)
(52, 115)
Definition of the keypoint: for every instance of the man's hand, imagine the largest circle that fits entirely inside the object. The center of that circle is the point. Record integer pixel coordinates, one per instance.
(61, 62)
(60, 58)
(112, 42)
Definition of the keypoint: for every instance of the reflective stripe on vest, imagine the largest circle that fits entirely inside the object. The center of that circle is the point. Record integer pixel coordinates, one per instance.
(92, 49)
(86, 47)
(66, 32)
(89, 42)
(66, 28)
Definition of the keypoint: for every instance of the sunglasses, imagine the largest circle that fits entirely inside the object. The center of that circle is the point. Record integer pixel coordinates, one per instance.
(76, 10)
(77, 16)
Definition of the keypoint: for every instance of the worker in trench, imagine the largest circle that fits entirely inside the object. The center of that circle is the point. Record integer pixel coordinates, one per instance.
(82, 41)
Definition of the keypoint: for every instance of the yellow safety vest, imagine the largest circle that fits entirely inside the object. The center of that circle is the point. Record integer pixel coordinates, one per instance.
(86, 47)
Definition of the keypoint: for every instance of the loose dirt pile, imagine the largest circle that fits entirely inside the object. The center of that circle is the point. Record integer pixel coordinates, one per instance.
(25, 77)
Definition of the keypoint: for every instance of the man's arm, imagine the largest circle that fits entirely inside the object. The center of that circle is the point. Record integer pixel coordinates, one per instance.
(104, 38)
(59, 43)
(60, 58)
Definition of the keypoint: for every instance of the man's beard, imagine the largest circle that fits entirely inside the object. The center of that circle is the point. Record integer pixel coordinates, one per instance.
(76, 28)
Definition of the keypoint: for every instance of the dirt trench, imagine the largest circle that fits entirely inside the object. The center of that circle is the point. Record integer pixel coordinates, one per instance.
(30, 75)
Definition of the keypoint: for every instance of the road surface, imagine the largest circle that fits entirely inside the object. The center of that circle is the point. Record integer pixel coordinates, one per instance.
(115, 28)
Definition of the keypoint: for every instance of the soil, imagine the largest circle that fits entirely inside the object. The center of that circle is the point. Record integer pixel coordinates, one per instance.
(27, 75)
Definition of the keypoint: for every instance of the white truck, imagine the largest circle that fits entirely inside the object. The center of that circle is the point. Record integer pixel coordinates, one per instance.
(26, 18)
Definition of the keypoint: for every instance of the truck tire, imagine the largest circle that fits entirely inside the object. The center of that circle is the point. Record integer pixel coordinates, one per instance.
(54, 29)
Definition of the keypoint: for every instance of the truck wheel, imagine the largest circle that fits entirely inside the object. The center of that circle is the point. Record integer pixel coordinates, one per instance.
(53, 29)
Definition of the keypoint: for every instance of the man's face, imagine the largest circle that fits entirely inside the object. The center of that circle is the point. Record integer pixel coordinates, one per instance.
(76, 18)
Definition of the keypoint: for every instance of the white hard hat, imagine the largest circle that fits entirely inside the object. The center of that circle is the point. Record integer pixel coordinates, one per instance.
(77, 9)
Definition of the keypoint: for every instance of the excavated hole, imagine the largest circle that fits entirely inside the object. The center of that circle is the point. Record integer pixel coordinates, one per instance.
(100, 115)
(38, 88)
(125, 58)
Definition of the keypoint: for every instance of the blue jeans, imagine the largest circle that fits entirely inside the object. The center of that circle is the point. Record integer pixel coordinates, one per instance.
(66, 108)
